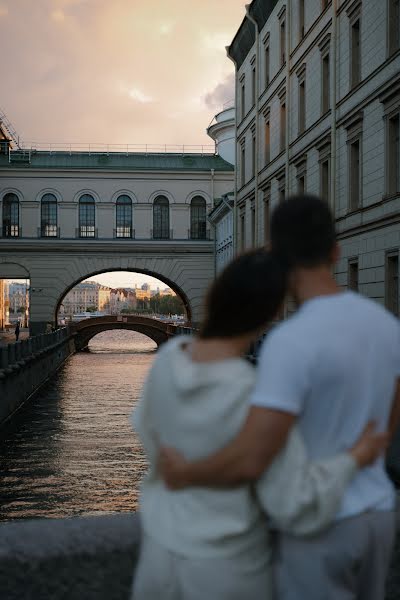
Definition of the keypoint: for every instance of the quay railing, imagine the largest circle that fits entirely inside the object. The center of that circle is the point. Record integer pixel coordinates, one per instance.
(15, 354)
(26, 149)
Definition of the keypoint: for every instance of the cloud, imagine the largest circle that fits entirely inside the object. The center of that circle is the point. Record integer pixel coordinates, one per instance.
(166, 28)
(149, 66)
(222, 93)
(138, 95)
(215, 41)
(58, 16)
(3, 10)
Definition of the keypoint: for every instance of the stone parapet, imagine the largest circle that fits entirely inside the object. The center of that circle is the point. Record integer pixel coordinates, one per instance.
(89, 558)
(26, 365)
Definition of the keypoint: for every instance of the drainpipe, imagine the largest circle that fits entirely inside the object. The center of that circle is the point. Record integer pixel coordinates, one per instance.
(287, 99)
(333, 109)
(256, 108)
(234, 228)
(215, 244)
(212, 186)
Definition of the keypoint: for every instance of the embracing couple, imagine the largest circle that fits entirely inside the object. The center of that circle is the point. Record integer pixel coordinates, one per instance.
(270, 484)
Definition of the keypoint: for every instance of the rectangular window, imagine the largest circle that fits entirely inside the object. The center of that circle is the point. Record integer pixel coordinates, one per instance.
(392, 283)
(352, 281)
(267, 141)
(326, 84)
(355, 54)
(242, 100)
(266, 66)
(253, 86)
(243, 165)
(266, 219)
(253, 156)
(282, 42)
(283, 127)
(393, 25)
(301, 184)
(282, 190)
(242, 232)
(253, 226)
(324, 180)
(393, 154)
(301, 19)
(302, 106)
(354, 175)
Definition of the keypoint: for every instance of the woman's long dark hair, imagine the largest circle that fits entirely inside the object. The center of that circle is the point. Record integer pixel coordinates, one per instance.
(245, 296)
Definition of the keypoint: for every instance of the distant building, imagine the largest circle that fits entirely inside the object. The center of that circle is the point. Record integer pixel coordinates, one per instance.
(121, 299)
(84, 296)
(143, 294)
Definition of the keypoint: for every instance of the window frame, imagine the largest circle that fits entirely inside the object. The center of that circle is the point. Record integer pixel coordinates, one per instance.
(48, 228)
(161, 231)
(198, 218)
(87, 229)
(11, 229)
(124, 217)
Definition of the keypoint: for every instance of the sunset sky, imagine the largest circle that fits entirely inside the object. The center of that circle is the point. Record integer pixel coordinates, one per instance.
(116, 71)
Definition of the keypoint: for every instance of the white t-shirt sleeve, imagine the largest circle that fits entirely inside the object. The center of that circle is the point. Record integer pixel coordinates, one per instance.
(397, 353)
(283, 374)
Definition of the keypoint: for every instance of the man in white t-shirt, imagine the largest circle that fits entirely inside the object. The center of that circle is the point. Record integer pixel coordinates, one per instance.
(333, 366)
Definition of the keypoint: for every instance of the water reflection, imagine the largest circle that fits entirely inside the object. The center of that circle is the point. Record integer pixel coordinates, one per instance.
(72, 451)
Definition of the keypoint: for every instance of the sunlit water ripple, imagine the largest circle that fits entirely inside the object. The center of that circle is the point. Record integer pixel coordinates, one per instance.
(72, 450)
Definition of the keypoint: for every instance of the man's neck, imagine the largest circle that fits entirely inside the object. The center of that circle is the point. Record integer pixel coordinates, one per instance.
(311, 283)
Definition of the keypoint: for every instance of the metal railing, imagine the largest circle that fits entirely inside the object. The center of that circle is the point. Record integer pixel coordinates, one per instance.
(11, 231)
(124, 233)
(48, 231)
(163, 235)
(195, 235)
(86, 232)
(14, 354)
(27, 148)
(9, 128)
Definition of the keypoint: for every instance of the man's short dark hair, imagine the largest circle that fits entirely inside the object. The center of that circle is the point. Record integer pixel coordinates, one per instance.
(303, 231)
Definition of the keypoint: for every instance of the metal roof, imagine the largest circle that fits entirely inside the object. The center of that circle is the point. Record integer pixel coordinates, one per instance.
(114, 161)
(245, 37)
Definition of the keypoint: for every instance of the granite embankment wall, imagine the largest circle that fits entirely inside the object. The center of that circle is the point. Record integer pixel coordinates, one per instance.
(85, 558)
(27, 364)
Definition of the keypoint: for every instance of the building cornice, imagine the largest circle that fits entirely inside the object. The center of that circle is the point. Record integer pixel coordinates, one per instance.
(102, 246)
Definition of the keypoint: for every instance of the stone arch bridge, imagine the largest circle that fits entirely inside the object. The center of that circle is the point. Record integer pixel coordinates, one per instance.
(55, 266)
(156, 330)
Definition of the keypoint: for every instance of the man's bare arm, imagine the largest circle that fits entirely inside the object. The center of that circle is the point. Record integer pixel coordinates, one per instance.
(244, 459)
(394, 419)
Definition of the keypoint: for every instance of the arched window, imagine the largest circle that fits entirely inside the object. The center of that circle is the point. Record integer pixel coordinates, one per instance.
(48, 216)
(198, 222)
(87, 216)
(11, 226)
(161, 218)
(124, 217)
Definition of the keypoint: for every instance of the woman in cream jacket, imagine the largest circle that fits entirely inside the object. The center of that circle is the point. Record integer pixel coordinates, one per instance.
(214, 544)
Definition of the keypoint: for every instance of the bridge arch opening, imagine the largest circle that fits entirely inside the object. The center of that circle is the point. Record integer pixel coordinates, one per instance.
(121, 341)
(123, 292)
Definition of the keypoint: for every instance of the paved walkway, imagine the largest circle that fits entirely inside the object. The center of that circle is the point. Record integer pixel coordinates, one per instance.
(8, 337)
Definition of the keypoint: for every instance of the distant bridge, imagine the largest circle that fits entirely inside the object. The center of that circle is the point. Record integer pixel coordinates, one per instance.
(157, 330)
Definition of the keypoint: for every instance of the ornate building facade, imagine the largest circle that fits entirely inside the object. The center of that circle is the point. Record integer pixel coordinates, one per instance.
(317, 110)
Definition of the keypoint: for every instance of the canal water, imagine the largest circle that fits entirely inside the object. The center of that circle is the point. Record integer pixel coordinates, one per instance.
(72, 450)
